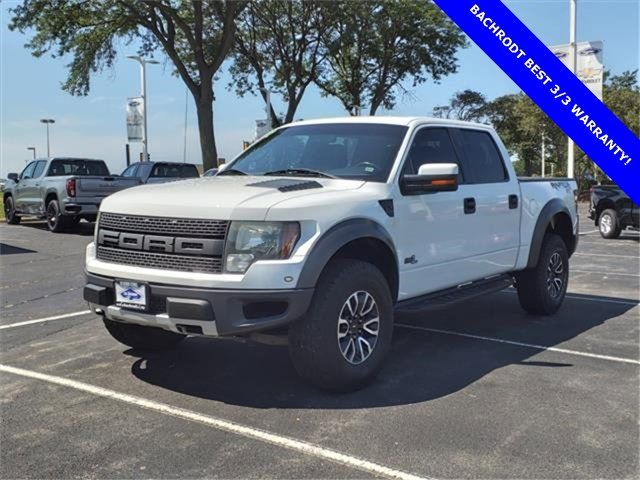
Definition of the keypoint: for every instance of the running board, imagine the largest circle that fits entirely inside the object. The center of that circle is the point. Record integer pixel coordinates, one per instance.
(456, 294)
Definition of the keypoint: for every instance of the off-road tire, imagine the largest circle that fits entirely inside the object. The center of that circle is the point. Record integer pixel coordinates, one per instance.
(609, 224)
(140, 337)
(537, 287)
(10, 211)
(314, 339)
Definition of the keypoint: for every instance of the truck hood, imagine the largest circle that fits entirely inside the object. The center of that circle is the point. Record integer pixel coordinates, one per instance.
(222, 198)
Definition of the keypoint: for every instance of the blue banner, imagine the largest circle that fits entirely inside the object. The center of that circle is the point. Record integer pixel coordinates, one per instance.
(552, 86)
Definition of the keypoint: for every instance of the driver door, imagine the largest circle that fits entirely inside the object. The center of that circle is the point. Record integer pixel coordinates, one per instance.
(435, 244)
(23, 187)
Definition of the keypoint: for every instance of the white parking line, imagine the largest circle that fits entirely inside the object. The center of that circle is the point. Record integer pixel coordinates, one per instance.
(588, 298)
(520, 344)
(46, 319)
(225, 425)
(605, 255)
(605, 273)
(587, 233)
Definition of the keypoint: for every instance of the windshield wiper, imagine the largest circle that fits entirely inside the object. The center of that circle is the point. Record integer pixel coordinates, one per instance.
(300, 172)
(231, 171)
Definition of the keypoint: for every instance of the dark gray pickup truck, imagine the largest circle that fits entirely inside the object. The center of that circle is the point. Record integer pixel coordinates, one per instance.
(62, 190)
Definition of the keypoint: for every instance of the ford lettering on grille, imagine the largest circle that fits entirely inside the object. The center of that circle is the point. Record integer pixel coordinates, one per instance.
(159, 243)
(191, 245)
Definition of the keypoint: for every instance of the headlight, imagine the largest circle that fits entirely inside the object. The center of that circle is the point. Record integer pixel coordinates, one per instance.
(248, 242)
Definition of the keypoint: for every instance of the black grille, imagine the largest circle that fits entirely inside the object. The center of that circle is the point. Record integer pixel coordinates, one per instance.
(165, 226)
(184, 263)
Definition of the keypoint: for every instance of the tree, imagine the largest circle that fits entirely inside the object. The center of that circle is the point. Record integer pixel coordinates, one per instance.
(621, 94)
(195, 35)
(521, 125)
(375, 46)
(278, 48)
(467, 105)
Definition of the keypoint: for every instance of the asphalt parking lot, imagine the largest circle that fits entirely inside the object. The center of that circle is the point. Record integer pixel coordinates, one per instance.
(475, 390)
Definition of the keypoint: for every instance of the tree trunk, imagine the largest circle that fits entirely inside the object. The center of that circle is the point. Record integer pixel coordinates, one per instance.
(291, 110)
(204, 108)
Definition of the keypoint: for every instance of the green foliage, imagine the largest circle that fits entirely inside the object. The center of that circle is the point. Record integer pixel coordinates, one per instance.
(375, 47)
(522, 125)
(278, 47)
(195, 35)
(468, 105)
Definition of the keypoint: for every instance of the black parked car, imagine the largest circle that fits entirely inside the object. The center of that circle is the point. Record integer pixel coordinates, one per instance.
(613, 210)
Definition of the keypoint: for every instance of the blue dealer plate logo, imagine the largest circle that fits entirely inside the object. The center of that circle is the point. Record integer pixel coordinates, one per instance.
(130, 294)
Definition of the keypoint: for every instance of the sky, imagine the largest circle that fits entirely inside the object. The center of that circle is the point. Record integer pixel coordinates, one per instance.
(94, 126)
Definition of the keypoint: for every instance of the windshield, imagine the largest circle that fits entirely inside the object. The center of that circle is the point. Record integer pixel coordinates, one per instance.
(344, 150)
(77, 167)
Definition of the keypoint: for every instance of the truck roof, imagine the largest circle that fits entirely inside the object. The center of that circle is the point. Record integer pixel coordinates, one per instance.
(70, 159)
(405, 121)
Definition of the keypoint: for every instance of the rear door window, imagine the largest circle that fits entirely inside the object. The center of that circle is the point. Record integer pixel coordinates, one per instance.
(481, 157)
(39, 168)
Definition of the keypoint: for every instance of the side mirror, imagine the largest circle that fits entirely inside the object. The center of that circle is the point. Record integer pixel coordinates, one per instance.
(222, 167)
(13, 176)
(431, 177)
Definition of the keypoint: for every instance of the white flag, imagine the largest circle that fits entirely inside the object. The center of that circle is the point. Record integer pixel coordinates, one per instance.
(135, 119)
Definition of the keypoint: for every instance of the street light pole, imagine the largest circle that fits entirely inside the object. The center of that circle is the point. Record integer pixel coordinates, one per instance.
(573, 11)
(33, 150)
(143, 87)
(47, 122)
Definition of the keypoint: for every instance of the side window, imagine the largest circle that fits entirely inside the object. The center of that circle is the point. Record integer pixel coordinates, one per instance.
(189, 171)
(431, 145)
(481, 157)
(28, 171)
(130, 171)
(166, 171)
(39, 168)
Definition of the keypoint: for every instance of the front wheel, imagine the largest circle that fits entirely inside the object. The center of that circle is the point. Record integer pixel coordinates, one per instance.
(10, 212)
(340, 343)
(541, 289)
(609, 224)
(140, 337)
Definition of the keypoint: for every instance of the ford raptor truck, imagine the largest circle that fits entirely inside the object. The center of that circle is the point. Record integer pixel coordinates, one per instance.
(322, 230)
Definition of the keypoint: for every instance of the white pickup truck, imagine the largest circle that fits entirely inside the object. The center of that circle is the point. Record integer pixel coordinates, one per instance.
(320, 231)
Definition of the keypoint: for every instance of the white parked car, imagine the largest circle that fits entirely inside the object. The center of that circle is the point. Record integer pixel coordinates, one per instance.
(326, 228)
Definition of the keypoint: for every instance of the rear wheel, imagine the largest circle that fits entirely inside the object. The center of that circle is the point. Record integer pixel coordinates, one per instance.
(55, 220)
(340, 343)
(10, 212)
(141, 337)
(541, 289)
(609, 224)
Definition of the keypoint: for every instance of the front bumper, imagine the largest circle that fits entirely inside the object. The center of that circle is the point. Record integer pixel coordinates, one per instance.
(203, 311)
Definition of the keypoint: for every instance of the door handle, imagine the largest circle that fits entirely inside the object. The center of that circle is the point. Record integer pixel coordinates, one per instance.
(513, 201)
(469, 205)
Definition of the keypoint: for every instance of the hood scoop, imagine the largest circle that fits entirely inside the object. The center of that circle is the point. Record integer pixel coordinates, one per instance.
(286, 185)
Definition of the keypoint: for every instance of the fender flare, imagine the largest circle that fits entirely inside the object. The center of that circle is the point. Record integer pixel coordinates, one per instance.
(48, 192)
(548, 212)
(334, 239)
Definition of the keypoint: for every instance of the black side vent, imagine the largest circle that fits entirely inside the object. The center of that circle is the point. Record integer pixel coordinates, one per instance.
(285, 185)
(387, 206)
